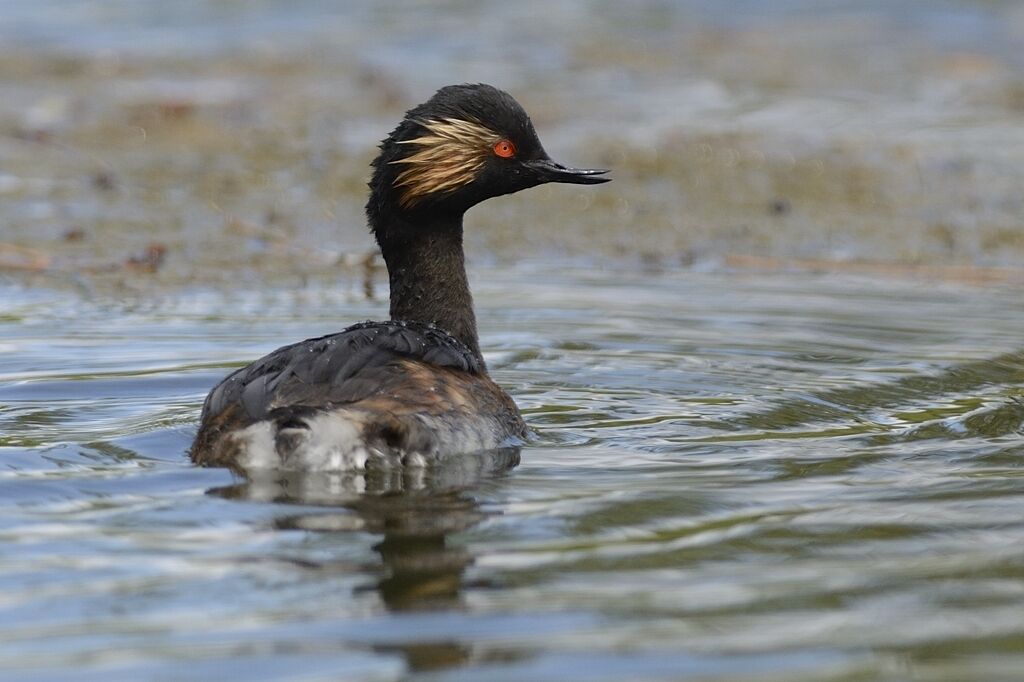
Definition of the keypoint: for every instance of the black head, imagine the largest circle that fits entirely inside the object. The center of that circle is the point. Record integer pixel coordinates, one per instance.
(466, 144)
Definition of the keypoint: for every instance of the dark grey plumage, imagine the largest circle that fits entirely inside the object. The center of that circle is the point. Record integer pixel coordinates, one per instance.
(336, 369)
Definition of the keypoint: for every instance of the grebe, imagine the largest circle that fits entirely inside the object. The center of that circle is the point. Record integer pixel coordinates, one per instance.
(412, 389)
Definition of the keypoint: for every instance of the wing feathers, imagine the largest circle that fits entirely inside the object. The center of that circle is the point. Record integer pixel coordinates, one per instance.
(336, 369)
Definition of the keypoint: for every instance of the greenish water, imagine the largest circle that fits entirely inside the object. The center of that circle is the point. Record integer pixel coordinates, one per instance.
(735, 477)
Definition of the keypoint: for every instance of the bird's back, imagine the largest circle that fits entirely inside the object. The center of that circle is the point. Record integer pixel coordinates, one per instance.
(388, 392)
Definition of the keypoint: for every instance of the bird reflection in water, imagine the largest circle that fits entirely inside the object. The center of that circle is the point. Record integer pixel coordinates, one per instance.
(415, 511)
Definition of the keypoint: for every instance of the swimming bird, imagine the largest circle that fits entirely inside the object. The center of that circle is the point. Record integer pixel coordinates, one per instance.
(406, 391)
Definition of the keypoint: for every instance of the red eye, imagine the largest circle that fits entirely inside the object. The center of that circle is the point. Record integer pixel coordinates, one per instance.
(505, 149)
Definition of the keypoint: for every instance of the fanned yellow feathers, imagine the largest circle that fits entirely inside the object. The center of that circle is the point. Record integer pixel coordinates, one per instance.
(449, 156)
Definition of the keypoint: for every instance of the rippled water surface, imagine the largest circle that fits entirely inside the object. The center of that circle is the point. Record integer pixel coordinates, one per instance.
(735, 476)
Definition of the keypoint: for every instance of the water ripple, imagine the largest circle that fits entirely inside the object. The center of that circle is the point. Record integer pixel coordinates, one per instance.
(811, 476)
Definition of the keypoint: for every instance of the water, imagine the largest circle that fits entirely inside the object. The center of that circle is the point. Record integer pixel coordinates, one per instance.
(742, 469)
(734, 476)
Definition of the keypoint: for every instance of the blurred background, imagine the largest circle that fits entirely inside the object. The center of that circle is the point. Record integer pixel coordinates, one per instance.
(218, 140)
(774, 370)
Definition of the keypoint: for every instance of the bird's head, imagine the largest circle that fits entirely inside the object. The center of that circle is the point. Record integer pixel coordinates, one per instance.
(466, 144)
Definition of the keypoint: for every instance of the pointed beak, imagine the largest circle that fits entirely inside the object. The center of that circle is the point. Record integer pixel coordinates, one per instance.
(546, 170)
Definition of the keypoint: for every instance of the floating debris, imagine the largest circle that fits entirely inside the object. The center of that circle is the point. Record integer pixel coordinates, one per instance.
(149, 260)
(22, 258)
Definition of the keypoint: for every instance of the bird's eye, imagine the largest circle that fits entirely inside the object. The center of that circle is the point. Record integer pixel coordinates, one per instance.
(505, 149)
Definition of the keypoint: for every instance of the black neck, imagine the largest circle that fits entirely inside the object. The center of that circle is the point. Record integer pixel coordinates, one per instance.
(427, 270)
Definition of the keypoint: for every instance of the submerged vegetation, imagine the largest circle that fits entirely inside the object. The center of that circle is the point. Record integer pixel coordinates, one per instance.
(250, 161)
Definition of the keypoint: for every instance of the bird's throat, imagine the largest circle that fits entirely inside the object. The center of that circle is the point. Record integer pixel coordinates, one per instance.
(427, 272)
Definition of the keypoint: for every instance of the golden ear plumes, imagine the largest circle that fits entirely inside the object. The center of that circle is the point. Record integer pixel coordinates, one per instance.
(449, 156)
